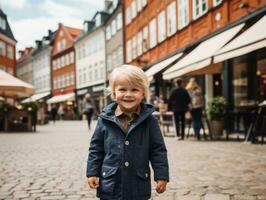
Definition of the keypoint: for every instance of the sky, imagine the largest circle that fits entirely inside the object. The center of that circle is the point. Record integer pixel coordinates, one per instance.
(30, 19)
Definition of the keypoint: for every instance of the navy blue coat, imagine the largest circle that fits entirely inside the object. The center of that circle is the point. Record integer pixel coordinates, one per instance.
(121, 160)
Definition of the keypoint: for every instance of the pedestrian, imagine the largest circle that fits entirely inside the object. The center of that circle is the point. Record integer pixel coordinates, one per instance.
(61, 112)
(179, 101)
(88, 109)
(197, 103)
(127, 138)
(54, 112)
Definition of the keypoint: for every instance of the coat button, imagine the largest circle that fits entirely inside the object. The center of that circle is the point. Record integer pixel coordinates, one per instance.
(127, 142)
(146, 175)
(104, 173)
(126, 164)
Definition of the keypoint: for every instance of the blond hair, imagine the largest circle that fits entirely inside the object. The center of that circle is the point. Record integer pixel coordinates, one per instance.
(192, 84)
(133, 74)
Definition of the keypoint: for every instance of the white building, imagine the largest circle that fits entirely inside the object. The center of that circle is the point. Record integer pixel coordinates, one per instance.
(91, 61)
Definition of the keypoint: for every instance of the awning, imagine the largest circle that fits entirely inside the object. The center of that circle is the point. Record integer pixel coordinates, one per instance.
(11, 86)
(252, 39)
(161, 65)
(36, 97)
(201, 56)
(61, 98)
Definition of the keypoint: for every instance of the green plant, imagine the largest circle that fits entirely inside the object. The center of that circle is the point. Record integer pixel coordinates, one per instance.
(4, 108)
(217, 108)
(31, 106)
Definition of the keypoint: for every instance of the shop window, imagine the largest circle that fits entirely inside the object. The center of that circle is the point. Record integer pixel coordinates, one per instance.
(183, 13)
(240, 80)
(200, 7)
(152, 30)
(261, 75)
(171, 18)
(161, 26)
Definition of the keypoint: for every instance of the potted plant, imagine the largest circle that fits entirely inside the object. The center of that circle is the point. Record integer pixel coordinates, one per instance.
(216, 112)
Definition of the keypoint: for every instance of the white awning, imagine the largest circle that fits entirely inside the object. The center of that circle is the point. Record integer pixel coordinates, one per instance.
(252, 39)
(201, 56)
(61, 98)
(161, 65)
(36, 97)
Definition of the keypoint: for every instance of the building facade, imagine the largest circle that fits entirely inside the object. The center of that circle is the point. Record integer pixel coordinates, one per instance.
(7, 46)
(164, 33)
(24, 65)
(90, 60)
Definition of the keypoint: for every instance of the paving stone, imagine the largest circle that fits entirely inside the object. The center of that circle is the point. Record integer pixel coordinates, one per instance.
(216, 197)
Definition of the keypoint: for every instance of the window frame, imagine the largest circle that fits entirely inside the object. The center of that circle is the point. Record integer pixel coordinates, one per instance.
(153, 33)
(201, 11)
(161, 26)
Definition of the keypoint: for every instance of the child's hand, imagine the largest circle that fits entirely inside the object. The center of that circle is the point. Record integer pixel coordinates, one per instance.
(161, 186)
(93, 182)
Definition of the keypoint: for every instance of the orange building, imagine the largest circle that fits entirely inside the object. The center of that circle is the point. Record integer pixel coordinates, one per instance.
(7, 46)
(63, 66)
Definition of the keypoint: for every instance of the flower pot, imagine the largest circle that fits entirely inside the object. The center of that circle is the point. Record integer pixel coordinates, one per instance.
(217, 128)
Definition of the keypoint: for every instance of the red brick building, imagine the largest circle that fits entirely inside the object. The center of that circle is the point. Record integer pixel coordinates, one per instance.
(7, 46)
(63, 62)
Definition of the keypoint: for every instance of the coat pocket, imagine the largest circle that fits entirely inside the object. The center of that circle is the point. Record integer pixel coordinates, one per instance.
(108, 179)
(144, 182)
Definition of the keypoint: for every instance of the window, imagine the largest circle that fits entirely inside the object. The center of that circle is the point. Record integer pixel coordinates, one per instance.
(161, 27)
(63, 44)
(54, 64)
(152, 27)
(183, 13)
(217, 2)
(134, 9)
(72, 78)
(139, 41)
(171, 18)
(139, 6)
(113, 29)
(114, 55)
(98, 20)
(108, 32)
(2, 48)
(58, 44)
(129, 51)
(119, 21)
(145, 46)
(134, 47)
(67, 59)
(199, 8)
(62, 61)
(144, 3)
(2, 23)
(72, 57)
(10, 52)
(128, 15)
(120, 55)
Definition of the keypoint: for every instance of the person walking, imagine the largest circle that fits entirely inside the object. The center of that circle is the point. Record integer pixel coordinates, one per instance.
(88, 109)
(54, 112)
(126, 140)
(178, 102)
(197, 103)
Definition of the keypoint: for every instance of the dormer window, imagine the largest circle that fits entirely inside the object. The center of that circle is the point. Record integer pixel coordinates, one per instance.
(2, 23)
(98, 20)
(85, 26)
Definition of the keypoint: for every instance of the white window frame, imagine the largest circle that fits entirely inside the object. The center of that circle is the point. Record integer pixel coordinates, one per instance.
(144, 3)
(199, 6)
(171, 19)
(71, 57)
(10, 52)
(139, 5)
(134, 9)
(161, 26)
(183, 13)
(128, 15)
(113, 29)
(134, 47)
(153, 33)
(129, 51)
(145, 39)
(139, 43)
(2, 48)
(119, 21)
(217, 2)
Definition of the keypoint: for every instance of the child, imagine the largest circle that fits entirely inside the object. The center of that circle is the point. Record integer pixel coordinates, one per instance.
(127, 137)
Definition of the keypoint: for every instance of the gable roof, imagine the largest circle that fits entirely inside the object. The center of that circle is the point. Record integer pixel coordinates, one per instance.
(74, 32)
(7, 32)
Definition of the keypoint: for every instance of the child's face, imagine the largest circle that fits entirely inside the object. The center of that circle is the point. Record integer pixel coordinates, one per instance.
(127, 96)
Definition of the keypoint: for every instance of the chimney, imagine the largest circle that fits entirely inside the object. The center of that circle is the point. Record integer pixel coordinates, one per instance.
(38, 43)
(107, 5)
(21, 52)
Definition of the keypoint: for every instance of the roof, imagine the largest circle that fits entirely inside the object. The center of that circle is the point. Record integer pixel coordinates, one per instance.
(25, 54)
(7, 32)
(73, 31)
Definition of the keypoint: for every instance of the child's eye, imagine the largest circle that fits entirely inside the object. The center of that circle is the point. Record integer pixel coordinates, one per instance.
(135, 90)
(122, 89)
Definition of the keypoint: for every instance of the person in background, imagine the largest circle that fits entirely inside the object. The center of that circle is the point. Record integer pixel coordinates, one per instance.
(126, 140)
(54, 112)
(88, 109)
(178, 102)
(197, 103)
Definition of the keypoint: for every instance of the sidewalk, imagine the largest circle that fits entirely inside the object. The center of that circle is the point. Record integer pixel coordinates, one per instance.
(50, 164)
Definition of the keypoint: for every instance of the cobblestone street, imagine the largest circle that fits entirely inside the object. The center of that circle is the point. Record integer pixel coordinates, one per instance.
(50, 164)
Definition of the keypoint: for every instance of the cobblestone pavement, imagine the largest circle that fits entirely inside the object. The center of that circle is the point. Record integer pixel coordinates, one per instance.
(50, 164)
